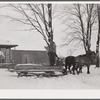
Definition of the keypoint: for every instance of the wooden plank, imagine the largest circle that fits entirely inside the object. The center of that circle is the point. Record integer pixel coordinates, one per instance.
(40, 69)
(36, 68)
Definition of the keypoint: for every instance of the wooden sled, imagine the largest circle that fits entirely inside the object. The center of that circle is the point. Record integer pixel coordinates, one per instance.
(36, 69)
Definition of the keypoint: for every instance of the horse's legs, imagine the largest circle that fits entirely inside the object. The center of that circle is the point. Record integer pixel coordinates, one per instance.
(69, 68)
(77, 68)
(65, 72)
(73, 69)
(74, 66)
(88, 67)
(80, 70)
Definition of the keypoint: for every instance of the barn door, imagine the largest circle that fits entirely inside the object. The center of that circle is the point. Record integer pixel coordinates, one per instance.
(25, 59)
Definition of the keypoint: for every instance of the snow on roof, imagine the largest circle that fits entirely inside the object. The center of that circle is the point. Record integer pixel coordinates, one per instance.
(6, 44)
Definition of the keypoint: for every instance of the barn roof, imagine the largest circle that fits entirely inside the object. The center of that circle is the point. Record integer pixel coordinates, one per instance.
(6, 44)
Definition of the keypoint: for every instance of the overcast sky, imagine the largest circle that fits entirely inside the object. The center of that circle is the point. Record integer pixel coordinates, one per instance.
(29, 40)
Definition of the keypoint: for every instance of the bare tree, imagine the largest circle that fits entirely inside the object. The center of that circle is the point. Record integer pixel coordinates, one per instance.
(80, 20)
(50, 27)
(37, 16)
(98, 38)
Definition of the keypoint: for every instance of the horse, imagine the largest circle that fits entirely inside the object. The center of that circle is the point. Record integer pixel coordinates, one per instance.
(79, 61)
(69, 61)
(87, 60)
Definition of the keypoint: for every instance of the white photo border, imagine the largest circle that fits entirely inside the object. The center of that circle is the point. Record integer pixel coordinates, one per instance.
(49, 93)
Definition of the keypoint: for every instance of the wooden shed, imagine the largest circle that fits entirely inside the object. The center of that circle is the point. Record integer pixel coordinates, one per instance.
(5, 51)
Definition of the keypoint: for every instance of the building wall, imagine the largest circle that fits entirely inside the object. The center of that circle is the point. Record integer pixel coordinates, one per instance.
(7, 55)
(23, 56)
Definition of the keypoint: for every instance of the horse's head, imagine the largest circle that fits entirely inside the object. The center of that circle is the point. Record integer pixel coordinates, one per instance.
(93, 57)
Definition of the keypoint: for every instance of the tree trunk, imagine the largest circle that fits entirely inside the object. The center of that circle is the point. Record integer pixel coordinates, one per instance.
(98, 39)
(50, 27)
(51, 56)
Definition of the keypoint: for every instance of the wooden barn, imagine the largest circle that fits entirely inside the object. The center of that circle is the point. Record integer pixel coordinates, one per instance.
(8, 54)
(27, 56)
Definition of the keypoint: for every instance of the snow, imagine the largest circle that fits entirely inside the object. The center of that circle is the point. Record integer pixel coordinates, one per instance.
(69, 86)
(9, 80)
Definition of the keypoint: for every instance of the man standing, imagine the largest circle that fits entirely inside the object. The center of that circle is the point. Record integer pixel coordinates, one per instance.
(52, 57)
(1, 56)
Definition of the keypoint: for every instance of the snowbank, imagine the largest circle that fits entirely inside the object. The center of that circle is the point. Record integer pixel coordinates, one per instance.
(10, 80)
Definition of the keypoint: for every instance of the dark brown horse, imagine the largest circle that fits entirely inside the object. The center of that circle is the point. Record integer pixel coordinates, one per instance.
(86, 59)
(79, 61)
(69, 61)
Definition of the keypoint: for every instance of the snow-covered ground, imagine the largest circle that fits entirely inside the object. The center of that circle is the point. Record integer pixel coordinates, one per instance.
(9, 80)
